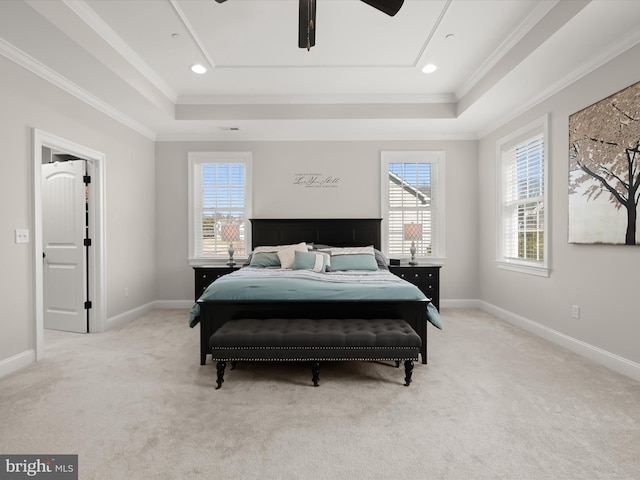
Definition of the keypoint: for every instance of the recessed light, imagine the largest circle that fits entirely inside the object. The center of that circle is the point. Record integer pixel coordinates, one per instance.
(197, 68)
(429, 68)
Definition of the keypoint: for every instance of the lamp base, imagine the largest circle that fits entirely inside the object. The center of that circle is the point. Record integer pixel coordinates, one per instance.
(413, 250)
(231, 263)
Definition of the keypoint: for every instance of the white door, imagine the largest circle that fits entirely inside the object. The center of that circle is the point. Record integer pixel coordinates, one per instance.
(63, 220)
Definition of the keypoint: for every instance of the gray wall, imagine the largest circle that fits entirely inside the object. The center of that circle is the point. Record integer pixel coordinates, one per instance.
(29, 102)
(146, 217)
(602, 280)
(358, 166)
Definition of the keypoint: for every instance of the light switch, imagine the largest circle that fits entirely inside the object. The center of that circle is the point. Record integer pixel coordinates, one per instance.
(22, 235)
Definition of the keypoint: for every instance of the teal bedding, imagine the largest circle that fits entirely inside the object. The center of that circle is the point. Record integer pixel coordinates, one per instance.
(266, 284)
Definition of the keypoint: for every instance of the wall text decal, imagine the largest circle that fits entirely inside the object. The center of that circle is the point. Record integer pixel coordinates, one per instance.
(316, 180)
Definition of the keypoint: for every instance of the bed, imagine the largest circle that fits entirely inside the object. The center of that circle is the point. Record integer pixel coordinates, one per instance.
(348, 294)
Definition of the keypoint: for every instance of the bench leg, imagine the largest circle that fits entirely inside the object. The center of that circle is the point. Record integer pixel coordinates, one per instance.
(408, 370)
(220, 368)
(315, 373)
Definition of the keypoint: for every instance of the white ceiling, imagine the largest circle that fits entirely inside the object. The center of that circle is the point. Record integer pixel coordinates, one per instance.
(362, 80)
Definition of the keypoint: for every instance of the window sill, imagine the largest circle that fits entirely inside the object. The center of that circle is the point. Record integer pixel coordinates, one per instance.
(215, 262)
(429, 260)
(522, 267)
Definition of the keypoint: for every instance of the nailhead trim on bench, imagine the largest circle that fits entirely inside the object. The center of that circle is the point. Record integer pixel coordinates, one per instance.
(235, 341)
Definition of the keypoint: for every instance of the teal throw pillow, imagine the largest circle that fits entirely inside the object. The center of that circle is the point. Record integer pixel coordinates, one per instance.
(265, 259)
(310, 261)
(353, 262)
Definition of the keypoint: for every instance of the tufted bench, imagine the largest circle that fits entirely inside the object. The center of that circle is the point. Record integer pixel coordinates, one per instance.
(315, 340)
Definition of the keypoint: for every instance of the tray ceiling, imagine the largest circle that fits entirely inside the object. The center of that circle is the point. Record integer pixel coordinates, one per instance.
(363, 79)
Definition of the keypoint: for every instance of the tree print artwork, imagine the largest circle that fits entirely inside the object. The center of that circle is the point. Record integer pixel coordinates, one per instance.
(604, 170)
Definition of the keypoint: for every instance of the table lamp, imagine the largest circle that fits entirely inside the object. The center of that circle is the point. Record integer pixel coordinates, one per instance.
(230, 233)
(413, 232)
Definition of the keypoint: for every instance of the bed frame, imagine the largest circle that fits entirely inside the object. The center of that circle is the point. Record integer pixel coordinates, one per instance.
(335, 232)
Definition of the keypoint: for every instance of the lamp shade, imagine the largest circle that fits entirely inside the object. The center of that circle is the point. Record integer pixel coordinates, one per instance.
(230, 233)
(413, 231)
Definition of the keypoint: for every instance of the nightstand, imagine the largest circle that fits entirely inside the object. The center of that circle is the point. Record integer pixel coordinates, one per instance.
(205, 275)
(425, 277)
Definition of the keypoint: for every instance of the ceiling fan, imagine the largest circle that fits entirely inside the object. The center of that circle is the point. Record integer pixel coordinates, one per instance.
(307, 17)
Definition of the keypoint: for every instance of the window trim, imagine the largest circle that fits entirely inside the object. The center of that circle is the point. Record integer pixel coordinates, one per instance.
(437, 160)
(195, 159)
(531, 267)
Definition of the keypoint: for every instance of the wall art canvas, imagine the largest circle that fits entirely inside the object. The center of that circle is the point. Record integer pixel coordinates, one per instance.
(604, 170)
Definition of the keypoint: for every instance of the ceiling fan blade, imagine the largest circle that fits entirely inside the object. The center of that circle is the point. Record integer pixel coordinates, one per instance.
(390, 7)
(306, 23)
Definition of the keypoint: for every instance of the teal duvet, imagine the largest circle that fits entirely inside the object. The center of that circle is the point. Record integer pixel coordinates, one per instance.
(265, 284)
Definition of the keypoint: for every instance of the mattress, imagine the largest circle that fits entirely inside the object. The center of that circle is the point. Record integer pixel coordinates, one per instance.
(275, 284)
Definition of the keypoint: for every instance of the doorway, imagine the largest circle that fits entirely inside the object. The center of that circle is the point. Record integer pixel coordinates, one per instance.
(80, 284)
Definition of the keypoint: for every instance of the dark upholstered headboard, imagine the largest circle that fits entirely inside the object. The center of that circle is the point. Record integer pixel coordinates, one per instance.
(338, 232)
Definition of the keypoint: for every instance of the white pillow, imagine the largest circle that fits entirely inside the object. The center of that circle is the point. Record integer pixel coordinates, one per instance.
(277, 248)
(349, 250)
(287, 255)
(327, 260)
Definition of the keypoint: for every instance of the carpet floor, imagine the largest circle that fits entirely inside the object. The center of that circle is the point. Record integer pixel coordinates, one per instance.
(494, 402)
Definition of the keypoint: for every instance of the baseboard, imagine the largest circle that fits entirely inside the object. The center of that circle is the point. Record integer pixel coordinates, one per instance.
(21, 360)
(134, 313)
(16, 362)
(128, 316)
(460, 303)
(596, 354)
(171, 304)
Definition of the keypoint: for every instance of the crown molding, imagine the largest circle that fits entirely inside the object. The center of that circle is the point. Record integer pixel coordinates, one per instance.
(313, 99)
(436, 25)
(34, 66)
(192, 32)
(596, 61)
(317, 136)
(104, 31)
(507, 45)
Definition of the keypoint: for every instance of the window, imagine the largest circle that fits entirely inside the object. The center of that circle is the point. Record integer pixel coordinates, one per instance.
(523, 236)
(219, 205)
(413, 193)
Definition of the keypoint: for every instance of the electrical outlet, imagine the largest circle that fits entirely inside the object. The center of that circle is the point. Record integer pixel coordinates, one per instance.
(575, 311)
(22, 235)
(126, 291)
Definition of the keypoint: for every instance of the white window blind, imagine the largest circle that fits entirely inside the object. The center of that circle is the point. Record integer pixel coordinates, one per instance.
(523, 205)
(409, 202)
(410, 196)
(220, 204)
(523, 233)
